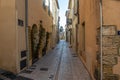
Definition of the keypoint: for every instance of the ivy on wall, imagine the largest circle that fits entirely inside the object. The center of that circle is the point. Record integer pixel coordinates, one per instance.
(34, 41)
(39, 40)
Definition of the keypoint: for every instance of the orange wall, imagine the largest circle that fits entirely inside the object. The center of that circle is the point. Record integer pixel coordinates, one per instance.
(111, 13)
(89, 12)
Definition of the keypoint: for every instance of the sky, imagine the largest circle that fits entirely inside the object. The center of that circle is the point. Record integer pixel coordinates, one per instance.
(63, 7)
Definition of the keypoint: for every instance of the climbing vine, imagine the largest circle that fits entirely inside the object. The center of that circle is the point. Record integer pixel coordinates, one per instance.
(34, 41)
(41, 38)
(46, 43)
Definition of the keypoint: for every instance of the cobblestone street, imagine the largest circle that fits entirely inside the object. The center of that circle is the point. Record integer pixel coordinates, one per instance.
(60, 64)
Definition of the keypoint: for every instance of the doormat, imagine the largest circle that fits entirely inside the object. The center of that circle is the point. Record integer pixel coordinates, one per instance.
(22, 78)
(43, 69)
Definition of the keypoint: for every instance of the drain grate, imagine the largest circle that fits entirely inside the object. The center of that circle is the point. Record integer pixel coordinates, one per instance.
(43, 69)
(27, 71)
(32, 68)
(22, 78)
(51, 76)
(75, 56)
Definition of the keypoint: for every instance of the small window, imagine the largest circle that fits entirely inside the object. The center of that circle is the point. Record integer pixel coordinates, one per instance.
(23, 64)
(44, 6)
(20, 22)
(23, 54)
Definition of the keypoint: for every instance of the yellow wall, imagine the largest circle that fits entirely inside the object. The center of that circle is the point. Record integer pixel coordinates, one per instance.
(37, 13)
(21, 35)
(8, 44)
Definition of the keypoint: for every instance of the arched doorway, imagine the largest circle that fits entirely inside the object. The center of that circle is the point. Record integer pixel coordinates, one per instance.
(34, 41)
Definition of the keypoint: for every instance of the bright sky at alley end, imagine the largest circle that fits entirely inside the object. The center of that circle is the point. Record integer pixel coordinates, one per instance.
(63, 7)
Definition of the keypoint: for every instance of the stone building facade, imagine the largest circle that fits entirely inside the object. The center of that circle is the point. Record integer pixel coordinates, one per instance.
(111, 39)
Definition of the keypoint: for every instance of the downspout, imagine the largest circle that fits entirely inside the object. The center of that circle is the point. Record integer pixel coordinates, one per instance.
(26, 30)
(101, 23)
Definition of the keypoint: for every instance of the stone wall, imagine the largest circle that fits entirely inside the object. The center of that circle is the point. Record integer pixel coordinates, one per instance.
(110, 46)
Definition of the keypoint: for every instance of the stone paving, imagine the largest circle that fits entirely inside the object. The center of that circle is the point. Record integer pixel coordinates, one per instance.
(60, 64)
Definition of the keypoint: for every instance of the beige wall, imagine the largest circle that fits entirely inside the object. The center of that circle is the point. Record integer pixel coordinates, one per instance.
(37, 13)
(8, 44)
(89, 13)
(21, 35)
(13, 36)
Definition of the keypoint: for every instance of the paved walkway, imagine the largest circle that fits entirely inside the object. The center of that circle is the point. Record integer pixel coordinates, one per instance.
(60, 64)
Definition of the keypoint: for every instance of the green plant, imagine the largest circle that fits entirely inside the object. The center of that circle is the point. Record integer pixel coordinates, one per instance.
(34, 41)
(46, 43)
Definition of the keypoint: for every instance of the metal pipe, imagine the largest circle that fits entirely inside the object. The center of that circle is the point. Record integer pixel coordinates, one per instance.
(101, 23)
(26, 30)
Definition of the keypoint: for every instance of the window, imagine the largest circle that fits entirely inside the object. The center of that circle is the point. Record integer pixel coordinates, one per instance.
(44, 6)
(23, 64)
(23, 54)
(83, 35)
(20, 22)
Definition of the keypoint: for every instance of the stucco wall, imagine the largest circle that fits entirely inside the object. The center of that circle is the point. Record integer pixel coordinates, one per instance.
(21, 35)
(8, 35)
(89, 13)
(111, 12)
(37, 13)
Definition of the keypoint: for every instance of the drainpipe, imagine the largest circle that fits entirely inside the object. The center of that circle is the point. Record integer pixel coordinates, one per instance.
(26, 30)
(101, 23)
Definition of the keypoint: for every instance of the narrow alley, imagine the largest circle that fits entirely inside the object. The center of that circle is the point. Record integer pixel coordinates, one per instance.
(59, 40)
(60, 64)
